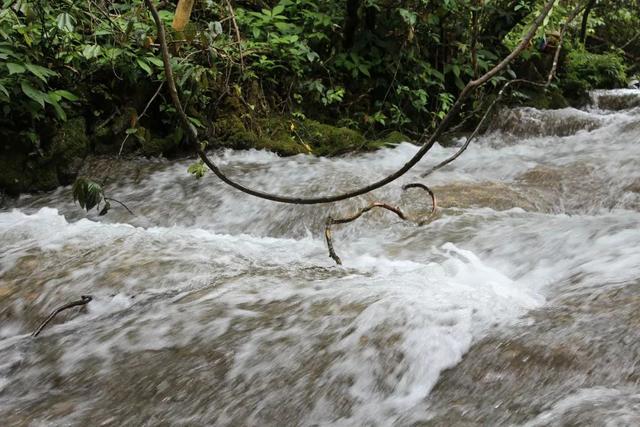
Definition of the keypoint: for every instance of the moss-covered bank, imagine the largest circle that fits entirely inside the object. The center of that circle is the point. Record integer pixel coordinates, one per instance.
(63, 150)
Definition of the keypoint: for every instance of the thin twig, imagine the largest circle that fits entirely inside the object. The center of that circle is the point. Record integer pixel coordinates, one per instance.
(140, 116)
(237, 30)
(84, 299)
(120, 203)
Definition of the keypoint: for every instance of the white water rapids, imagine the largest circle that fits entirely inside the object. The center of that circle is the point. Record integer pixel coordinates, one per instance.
(215, 308)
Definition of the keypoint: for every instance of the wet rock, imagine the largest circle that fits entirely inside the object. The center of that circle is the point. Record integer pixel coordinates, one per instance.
(580, 341)
(528, 122)
(617, 100)
(493, 195)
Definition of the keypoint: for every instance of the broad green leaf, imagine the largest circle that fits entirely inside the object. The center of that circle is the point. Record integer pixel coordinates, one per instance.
(33, 93)
(197, 169)
(53, 99)
(155, 61)
(66, 95)
(40, 72)
(4, 91)
(65, 22)
(87, 193)
(196, 122)
(277, 10)
(15, 68)
(144, 65)
(91, 51)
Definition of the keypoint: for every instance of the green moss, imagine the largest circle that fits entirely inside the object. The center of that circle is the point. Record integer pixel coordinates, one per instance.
(393, 138)
(230, 132)
(287, 136)
(327, 140)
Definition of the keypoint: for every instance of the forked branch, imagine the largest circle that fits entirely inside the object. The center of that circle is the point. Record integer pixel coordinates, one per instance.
(396, 210)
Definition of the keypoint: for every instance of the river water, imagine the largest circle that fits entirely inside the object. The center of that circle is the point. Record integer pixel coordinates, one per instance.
(518, 304)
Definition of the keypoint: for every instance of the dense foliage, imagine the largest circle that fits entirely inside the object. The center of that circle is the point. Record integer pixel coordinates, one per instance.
(368, 65)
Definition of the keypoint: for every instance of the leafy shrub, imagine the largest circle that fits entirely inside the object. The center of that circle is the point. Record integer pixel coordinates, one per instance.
(595, 71)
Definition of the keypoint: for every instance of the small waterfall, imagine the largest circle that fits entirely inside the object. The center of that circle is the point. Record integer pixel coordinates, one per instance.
(211, 307)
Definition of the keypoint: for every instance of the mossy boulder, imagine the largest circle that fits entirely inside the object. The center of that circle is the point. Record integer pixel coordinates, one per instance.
(393, 138)
(327, 140)
(287, 136)
(21, 172)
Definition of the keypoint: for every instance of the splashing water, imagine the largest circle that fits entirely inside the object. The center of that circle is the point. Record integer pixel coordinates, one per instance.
(214, 308)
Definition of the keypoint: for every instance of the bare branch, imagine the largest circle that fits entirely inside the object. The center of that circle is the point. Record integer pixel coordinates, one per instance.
(84, 299)
(396, 210)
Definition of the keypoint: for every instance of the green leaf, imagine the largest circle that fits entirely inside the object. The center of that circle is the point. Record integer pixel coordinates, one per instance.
(144, 65)
(87, 193)
(4, 91)
(65, 22)
(196, 122)
(91, 51)
(40, 72)
(155, 61)
(409, 17)
(197, 169)
(53, 99)
(15, 68)
(277, 10)
(66, 95)
(33, 93)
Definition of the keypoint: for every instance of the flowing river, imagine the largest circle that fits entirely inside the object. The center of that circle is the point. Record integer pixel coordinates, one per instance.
(518, 304)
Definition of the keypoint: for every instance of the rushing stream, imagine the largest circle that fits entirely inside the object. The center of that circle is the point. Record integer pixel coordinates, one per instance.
(519, 304)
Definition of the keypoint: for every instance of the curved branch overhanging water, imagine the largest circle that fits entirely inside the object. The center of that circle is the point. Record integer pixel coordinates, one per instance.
(396, 210)
(452, 113)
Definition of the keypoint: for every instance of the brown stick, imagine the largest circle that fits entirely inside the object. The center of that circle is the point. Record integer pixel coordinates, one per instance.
(84, 299)
(333, 221)
(237, 30)
(453, 112)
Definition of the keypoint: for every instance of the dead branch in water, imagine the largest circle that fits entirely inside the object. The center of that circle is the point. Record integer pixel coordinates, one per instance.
(427, 143)
(396, 210)
(84, 300)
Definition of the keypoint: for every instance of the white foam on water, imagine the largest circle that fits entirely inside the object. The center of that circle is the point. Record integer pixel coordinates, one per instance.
(202, 266)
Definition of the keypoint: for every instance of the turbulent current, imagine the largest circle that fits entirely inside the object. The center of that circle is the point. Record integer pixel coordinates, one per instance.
(518, 304)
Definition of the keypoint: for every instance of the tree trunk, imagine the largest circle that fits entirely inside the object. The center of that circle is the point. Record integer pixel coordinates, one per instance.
(585, 20)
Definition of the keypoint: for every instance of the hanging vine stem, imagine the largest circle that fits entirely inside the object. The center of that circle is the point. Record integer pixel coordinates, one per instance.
(84, 300)
(396, 210)
(427, 143)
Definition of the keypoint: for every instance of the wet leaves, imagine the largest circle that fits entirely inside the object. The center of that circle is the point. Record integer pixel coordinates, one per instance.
(88, 194)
